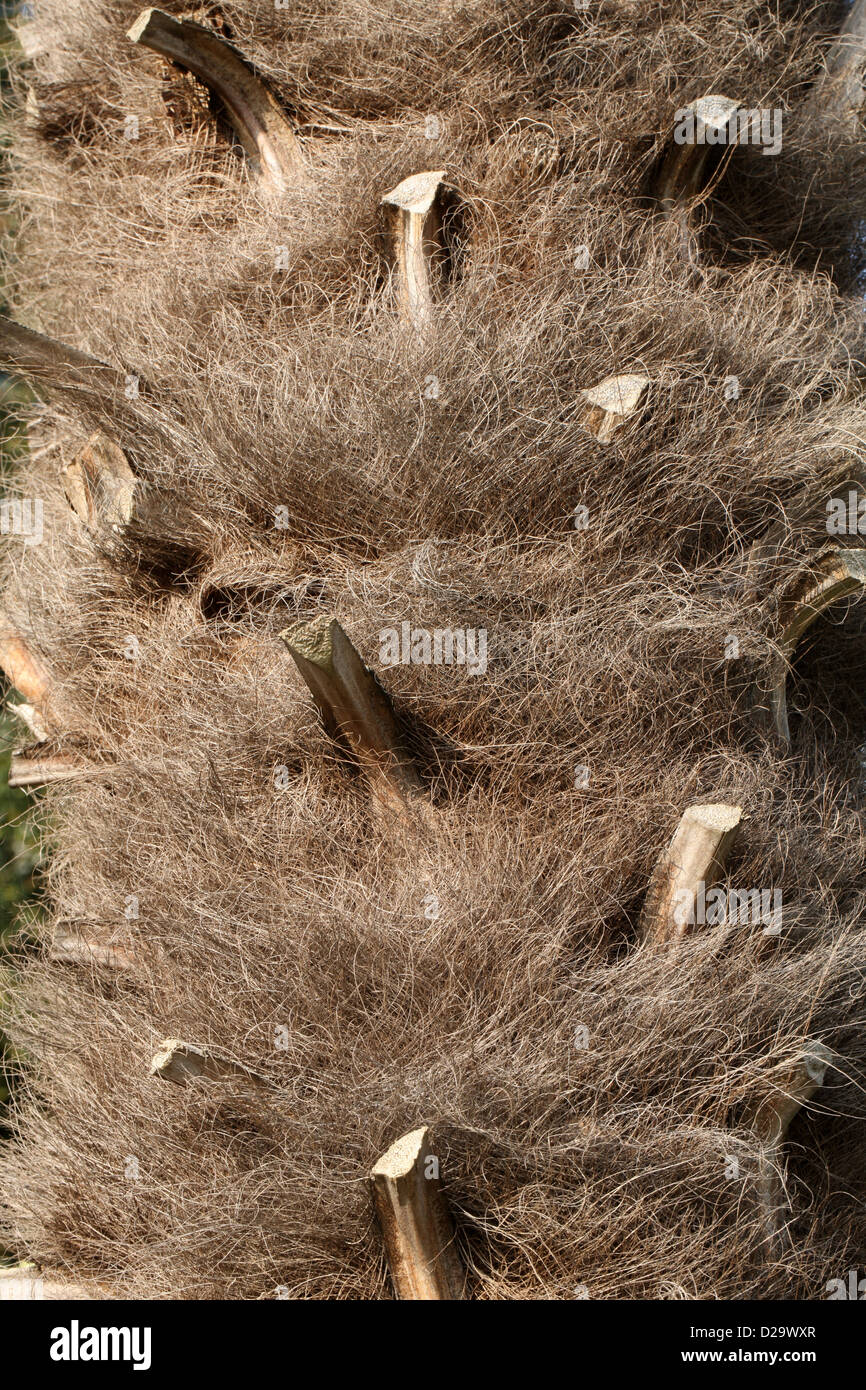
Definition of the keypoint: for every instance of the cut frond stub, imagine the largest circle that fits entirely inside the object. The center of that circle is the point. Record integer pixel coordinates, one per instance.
(771, 1119)
(182, 1062)
(415, 1221)
(415, 232)
(354, 707)
(100, 485)
(839, 575)
(33, 719)
(29, 676)
(32, 355)
(614, 401)
(28, 771)
(839, 91)
(792, 1089)
(25, 671)
(699, 129)
(24, 1283)
(694, 860)
(258, 119)
(71, 948)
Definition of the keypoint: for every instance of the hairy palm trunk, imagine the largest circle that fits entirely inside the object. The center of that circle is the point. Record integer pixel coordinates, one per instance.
(453, 893)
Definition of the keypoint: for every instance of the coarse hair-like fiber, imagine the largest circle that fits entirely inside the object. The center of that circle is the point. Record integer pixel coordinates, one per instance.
(301, 456)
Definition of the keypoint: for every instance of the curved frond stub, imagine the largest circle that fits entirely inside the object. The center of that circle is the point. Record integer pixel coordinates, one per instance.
(771, 1119)
(415, 229)
(693, 862)
(840, 574)
(698, 130)
(415, 1222)
(839, 90)
(792, 1089)
(354, 707)
(614, 401)
(810, 516)
(260, 122)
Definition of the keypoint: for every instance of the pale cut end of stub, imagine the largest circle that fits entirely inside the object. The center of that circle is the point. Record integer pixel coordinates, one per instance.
(817, 1060)
(32, 718)
(313, 640)
(402, 1156)
(141, 24)
(172, 1053)
(416, 194)
(621, 394)
(715, 111)
(100, 485)
(716, 816)
(612, 402)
